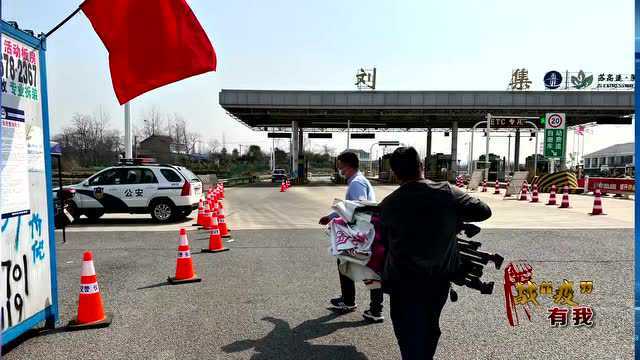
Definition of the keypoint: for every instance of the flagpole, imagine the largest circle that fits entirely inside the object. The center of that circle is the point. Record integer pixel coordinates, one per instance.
(128, 147)
(62, 23)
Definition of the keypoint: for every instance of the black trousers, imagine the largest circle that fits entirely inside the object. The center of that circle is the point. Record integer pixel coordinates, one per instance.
(416, 321)
(348, 288)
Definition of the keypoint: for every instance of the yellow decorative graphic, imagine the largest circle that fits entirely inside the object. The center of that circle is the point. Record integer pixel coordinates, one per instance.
(526, 293)
(586, 287)
(564, 294)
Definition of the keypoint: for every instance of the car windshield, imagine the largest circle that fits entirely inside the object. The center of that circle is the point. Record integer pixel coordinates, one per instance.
(278, 171)
(188, 174)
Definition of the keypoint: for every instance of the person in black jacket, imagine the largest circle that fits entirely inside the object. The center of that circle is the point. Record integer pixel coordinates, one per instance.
(420, 223)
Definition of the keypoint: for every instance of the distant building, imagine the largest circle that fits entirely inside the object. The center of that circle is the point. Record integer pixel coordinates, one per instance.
(613, 161)
(160, 147)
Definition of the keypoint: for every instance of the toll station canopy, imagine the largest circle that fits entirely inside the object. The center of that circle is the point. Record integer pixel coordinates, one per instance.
(416, 110)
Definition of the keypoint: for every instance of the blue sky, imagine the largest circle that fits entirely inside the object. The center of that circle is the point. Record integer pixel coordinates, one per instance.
(415, 45)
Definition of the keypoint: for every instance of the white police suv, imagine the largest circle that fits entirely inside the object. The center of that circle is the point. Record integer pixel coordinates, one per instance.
(167, 192)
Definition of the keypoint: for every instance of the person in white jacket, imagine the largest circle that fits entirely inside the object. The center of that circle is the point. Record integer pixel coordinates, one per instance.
(358, 188)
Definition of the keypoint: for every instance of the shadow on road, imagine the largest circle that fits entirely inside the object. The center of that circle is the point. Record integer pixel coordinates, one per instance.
(284, 343)
(164, 283)
(125, 221)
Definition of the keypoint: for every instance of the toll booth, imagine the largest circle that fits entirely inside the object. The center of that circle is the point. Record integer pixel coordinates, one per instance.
(541, 165)
(385, 174)
(438, 166)
(497, 166)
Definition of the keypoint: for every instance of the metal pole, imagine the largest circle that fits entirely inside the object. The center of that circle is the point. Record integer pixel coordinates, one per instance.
(470, 164)
(348, 132)
(535, 158)
(509, 154)
(128, 147)
(472, 133)
(292, 145)
(582, 149)
(454, 150)
(62, 22)
(486, 156)
(428, 155)
(371, 159)
(60, 201)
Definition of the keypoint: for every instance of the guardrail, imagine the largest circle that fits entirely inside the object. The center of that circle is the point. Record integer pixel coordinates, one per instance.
(618, 186)
(230, 182)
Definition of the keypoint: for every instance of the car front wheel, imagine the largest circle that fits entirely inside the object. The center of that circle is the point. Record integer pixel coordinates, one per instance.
(163, 211)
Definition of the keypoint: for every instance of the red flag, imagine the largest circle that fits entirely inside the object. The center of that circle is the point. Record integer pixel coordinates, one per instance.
(151, 43)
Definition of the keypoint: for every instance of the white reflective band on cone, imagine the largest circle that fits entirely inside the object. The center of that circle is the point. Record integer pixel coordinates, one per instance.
(215, 232)
(183, 240)
(87, 268)
(215, 220)
(184, 254)
(89, 288)
(221, 220)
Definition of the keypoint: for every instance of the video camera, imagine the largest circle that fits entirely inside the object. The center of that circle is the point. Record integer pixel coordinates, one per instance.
(472, 263)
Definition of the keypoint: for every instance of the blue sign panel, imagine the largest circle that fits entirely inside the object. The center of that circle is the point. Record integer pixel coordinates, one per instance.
(552, 80)
(28, 295)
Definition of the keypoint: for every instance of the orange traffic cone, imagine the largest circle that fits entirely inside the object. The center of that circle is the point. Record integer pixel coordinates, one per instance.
(597, 204)
(524, 192)
(288, 185)
(534, 194)
(206, 217)
(215, 239)
(565, 198)
(497, 189)
(552, 196)
(184, 265)
(282, 186)
(224, 229)
(200, 218)
(484, 185)
(90, 308)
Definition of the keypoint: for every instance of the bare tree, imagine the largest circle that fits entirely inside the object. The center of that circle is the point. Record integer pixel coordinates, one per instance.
(192, 140)
(152, 123)
(89, 140)
(214, 145)
(177, 129)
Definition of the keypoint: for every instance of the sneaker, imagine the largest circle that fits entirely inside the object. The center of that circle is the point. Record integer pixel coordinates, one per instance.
(339, 304)
(373, 317)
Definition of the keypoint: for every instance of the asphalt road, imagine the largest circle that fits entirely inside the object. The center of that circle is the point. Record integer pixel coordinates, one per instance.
(267, 298)
(300, 207)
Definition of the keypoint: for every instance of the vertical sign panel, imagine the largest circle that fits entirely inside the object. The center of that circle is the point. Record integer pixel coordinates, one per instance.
(27, 291)
(555, 136)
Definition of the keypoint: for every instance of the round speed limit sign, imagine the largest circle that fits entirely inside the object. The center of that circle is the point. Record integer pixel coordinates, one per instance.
(555, 120)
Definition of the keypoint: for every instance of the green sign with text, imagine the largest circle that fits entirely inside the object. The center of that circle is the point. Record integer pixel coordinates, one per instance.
(554, 143)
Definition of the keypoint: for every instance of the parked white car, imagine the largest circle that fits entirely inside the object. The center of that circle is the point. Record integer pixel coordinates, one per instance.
(167, 192)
